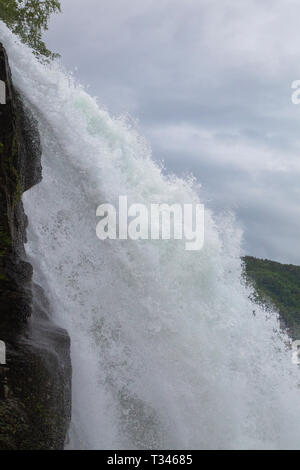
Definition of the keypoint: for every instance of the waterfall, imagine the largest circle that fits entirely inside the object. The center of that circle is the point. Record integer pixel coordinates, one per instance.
(166, 350)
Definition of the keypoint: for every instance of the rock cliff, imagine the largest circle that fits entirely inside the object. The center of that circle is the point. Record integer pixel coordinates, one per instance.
(35, 383)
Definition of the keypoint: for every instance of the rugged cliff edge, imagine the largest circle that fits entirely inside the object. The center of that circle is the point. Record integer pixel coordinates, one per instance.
(35, 384)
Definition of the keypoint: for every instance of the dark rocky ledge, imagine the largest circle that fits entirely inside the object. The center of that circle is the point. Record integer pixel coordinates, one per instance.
(35, 384)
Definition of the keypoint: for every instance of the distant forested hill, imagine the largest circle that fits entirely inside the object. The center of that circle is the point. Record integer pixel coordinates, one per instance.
(279, 284)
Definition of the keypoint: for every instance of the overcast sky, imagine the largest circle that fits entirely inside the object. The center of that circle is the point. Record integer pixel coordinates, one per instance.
(209, 82)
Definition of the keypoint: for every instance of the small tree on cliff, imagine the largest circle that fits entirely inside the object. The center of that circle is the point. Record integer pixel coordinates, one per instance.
(28, 19)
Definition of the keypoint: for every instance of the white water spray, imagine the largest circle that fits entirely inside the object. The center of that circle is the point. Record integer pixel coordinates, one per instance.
(166, 351)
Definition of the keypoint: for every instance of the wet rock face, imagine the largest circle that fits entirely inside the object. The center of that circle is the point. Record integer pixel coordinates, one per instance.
(35, 384)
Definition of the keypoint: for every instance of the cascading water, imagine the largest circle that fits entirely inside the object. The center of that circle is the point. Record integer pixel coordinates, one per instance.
(166, 350)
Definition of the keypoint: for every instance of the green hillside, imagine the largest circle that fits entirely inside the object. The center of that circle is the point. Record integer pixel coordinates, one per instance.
(280, 284)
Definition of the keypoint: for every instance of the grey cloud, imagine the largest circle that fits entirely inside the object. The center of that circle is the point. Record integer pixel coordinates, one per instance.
(219, 70)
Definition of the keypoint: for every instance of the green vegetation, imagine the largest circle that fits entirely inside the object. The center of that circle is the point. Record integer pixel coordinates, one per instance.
(277, 284)
(28, 19)
(13, 181)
